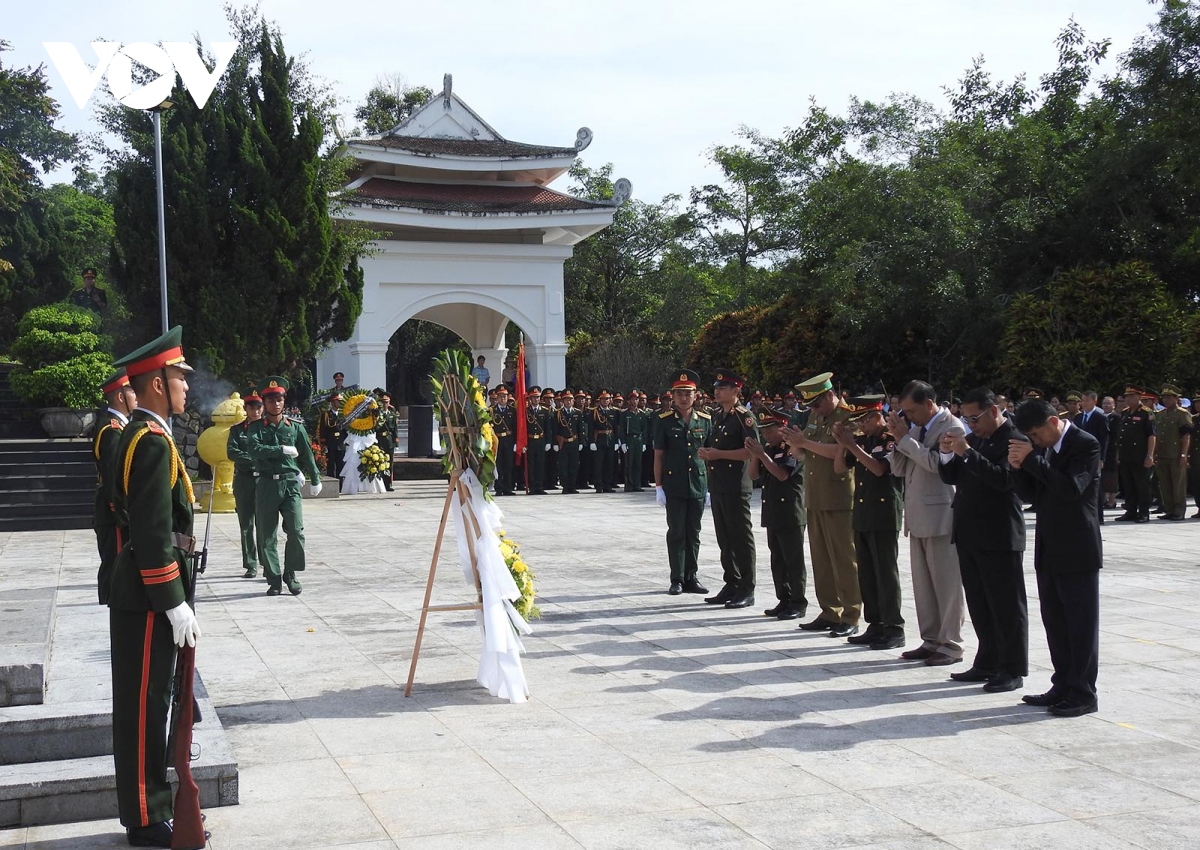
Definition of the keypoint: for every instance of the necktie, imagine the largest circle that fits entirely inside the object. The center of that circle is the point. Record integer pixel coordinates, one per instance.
(921, 438)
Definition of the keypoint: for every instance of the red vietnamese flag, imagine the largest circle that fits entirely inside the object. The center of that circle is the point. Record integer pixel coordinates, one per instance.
(522, 426)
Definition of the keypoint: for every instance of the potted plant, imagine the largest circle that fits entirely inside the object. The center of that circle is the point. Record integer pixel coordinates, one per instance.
(63, 362)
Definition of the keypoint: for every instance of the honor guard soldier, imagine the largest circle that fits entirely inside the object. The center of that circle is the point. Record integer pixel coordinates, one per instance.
(681, 479)
(783, 514)
(386, 426)
(1194, 457)
(583, 477)
(149, 614)
(121, 400)
(602, 442)
(333, 434)
(280, 448)
(729, 486)
(245, 480)
(538, 425)
(504, 422)
(550, 481)
(876, 517)
(635, 426)
(1136, 448)
(829, 496)
(1173, 426)
(568, 423)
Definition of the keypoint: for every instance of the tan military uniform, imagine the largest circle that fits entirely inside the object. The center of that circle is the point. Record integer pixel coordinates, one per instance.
(1172, 425)
(829, 498)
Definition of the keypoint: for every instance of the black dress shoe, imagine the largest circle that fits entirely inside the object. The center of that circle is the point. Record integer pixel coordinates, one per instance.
(741, 601)
(773, 612)
(889, 642)
(1003, 682)
(820, 624)
(1073, 708)
(843, 630)
(1045, 700)
(694, 586)
(154, 835)
(274, 591)
(974, 674)
(787, 612)
(676, 588)
(1143, 518)
(249, 574)
(918, 654)
(723, 595)
(1126, 517)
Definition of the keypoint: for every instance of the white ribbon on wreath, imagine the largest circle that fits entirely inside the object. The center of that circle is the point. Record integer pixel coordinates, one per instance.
(351, 483)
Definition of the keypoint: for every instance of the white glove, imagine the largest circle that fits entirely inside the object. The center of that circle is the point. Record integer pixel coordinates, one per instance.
(514, 448)
(555, 447)
(183, 621)
(660, 497)
(315, 489)
(524, 450)
(624, 448)
(581, 446)
(708, 500)
(300, 478)
(592, 446)
(549, 447)
(291, 451)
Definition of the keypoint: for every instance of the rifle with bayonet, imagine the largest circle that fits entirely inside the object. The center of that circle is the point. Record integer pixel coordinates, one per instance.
(321, 398)
(357, 411)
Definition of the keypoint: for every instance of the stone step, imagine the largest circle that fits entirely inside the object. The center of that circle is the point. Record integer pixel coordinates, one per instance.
(53, 732)
(77, 468)
(41, 493)
(66, 522)
(20, 429)
(67, 503)
(44, 444)
(78, 789)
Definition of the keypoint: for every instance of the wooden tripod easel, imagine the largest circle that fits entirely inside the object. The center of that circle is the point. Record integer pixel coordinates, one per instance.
(455, 489)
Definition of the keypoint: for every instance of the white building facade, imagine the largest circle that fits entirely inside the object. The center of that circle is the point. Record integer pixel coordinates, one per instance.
(473, 239)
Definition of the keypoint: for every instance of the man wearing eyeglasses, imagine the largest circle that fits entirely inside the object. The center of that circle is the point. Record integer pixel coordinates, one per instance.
(989, 534)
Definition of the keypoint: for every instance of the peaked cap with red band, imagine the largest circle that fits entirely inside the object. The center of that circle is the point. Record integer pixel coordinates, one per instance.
(165, 351)
(114, 382)
(684, 379)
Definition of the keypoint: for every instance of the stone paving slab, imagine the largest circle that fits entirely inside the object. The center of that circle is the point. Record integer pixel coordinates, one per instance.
(655, 721)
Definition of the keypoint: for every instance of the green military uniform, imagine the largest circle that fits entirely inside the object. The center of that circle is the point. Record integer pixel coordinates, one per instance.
(1194, 460)
(504, 423)
(784, 517)
(386, 426)
(684, 482)
(1174, 429)
(538, 428)
(602, 433)
(877, 518)
(568, 425)
(550, 478)
(635, 428)
(245, 483)
(153, 498)
(104, 448)
(277, 492)
(1137, 427)
(730, 487)
(830, 497)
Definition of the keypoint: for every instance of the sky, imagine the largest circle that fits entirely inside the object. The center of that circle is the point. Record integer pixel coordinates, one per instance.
(657, 81)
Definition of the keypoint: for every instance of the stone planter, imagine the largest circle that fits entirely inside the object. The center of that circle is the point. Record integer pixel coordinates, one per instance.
(66, 422)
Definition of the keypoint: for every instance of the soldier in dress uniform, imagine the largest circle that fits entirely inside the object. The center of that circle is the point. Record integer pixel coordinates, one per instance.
(387, 424)
(829, 496)
(504, 422)
(121, 401)
(730, 487)
(550, 481)
(568, 424)
(1173, 426)
(1136, 445)
(681, 479)
(583, 406)
(537, 432)
(878, 508)
(280, 449)
(602, 441)
(245, 481)
(635, 426)
(783, 514)
(1194, 456)
(149, 614)
(619, 448)
(333, 435)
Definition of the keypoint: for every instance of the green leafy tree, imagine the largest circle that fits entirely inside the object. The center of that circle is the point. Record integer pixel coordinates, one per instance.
(389, 102)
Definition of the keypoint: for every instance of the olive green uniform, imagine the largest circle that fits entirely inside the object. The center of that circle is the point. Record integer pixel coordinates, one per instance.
(1172, 426)
(877, 520)
(635, 427)
(568, 425)
(730, 486)
(152, 497)
(1137, 427)
(504, 423)
(385, 437)
(244, 485)
(684, 483)
(784, 517)
(830, 498)
(602, 433)
(277, 493)
(108, 536)
(1194, 456)
(538, 426)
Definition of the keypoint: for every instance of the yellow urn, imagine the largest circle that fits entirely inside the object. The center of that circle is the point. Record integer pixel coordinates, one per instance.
(212, 448)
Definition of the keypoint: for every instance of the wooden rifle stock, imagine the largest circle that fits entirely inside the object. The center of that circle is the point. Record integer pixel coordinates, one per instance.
(188, 829)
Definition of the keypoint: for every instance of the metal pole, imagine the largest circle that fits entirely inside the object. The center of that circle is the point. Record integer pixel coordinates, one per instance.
(162, 230)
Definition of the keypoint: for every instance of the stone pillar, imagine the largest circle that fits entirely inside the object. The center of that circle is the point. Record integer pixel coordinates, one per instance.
(369, 369)
(548, 364)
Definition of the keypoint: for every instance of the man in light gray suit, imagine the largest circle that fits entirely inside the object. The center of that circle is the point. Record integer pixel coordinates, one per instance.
(928, 521)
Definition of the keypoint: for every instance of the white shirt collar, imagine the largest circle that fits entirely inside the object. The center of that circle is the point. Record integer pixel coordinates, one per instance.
(157, 419)
(1066, 427)
(119, 415)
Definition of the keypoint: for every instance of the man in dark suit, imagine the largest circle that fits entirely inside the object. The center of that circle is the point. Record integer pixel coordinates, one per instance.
(1092, 419)
(1062, 480)
(989, 533)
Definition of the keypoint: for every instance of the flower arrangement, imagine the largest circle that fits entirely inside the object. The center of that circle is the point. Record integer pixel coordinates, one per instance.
(373, 463)
(521, 575)
(465, 419)
(319, 456)
(360, 411)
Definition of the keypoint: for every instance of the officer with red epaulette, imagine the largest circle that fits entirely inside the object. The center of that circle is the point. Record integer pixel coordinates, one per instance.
(245, 479)
(121, 400)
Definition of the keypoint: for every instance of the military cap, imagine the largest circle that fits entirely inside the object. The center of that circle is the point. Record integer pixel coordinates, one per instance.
(534, 390)
(1033, 392)
(768, 418)
(1074, 395)
(1149, 396)
(337, 375)
(548, 392)
(727, 378)
(251, 396)
(684, 379)
(502, 388)
(617, 396)
(815, 386)
(789, 394)
(88, 272)
(1169, 389)
(274, 385)
(166, 350)
(605, 392)
(114, 382)
(1130, 389)
(635, 391)
(757, 394)
(864, 405)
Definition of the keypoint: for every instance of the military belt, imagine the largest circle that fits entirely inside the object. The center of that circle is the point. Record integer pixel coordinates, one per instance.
(184, 542)
(605, 432)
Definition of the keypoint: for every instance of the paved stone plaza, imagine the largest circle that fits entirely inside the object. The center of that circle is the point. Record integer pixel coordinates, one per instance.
(655, 721)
